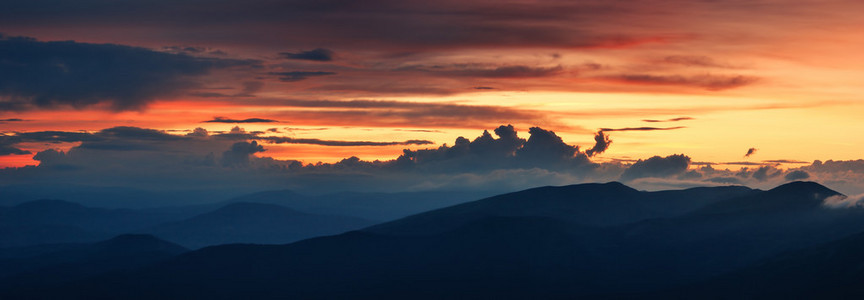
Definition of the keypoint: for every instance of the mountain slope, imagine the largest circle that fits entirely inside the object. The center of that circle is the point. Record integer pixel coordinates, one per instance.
(370, 206)
(586, 204)
(67, 262)
(253, 223)
(833, 270)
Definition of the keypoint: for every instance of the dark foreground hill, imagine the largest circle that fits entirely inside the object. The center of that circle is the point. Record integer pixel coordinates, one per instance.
(831, 271)
(253, 223)
(31, 267)
(594, 241)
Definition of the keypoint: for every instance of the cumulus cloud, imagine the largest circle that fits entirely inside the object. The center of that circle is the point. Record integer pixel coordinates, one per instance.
(657, 166)
(134, 156)
(239, 153)
(318, 54)
(601, 143)
(797, 175)
(765, 172)
(55, 74)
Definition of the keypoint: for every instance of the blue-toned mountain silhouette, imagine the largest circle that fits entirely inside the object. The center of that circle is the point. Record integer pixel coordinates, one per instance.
(588, 241)
(253, 223)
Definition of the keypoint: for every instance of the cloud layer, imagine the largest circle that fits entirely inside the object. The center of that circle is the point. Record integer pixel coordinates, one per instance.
(35, 74)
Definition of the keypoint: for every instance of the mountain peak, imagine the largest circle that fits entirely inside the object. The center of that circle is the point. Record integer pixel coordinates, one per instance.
(796, 195)
(804, 187)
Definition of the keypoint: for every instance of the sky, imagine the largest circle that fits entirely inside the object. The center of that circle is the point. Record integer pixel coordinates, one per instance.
(422, 95)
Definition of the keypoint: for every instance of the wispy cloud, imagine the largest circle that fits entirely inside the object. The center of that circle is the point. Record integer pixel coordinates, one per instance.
(248, 120)
(641, 128)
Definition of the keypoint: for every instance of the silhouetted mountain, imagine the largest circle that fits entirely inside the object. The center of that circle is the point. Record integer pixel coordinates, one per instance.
(538, 243)
(56, 221)
(253, 223)
(733, 233)
(67, 262)
(793, 196)
(585, 204)
(370, 206)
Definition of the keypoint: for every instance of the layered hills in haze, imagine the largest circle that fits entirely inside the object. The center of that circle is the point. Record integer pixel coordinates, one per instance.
(589, 240)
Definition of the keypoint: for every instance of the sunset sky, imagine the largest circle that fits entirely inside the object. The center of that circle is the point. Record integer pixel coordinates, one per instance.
(766, 85)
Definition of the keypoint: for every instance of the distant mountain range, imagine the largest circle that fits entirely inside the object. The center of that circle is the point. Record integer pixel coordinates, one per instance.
(583, 241)
(253, 223)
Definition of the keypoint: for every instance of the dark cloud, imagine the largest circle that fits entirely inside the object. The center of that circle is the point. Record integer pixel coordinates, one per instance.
(500, 160)
(319, 54)
(708, 82)
(641, 128)
(797, 175)
(601, 143)
(11, 120)
(785, 161)
(54, 74)
(837, 166)
(657, 166)
(300, 75)
(766, 172)
(750, 151)
(544, 147)
(248, 120)
(289, 140)
(239, 153)
(198, 132)
(9, 150)
(408, 25)
(668, 120)
(192, 50)
(484, 88)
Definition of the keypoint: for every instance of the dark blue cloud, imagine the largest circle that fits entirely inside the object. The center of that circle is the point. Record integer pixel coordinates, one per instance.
(67, 73)
(797, 175)
(300, 75)
(319, 54)
(248, 120)
(239, 153)
(9, 150)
